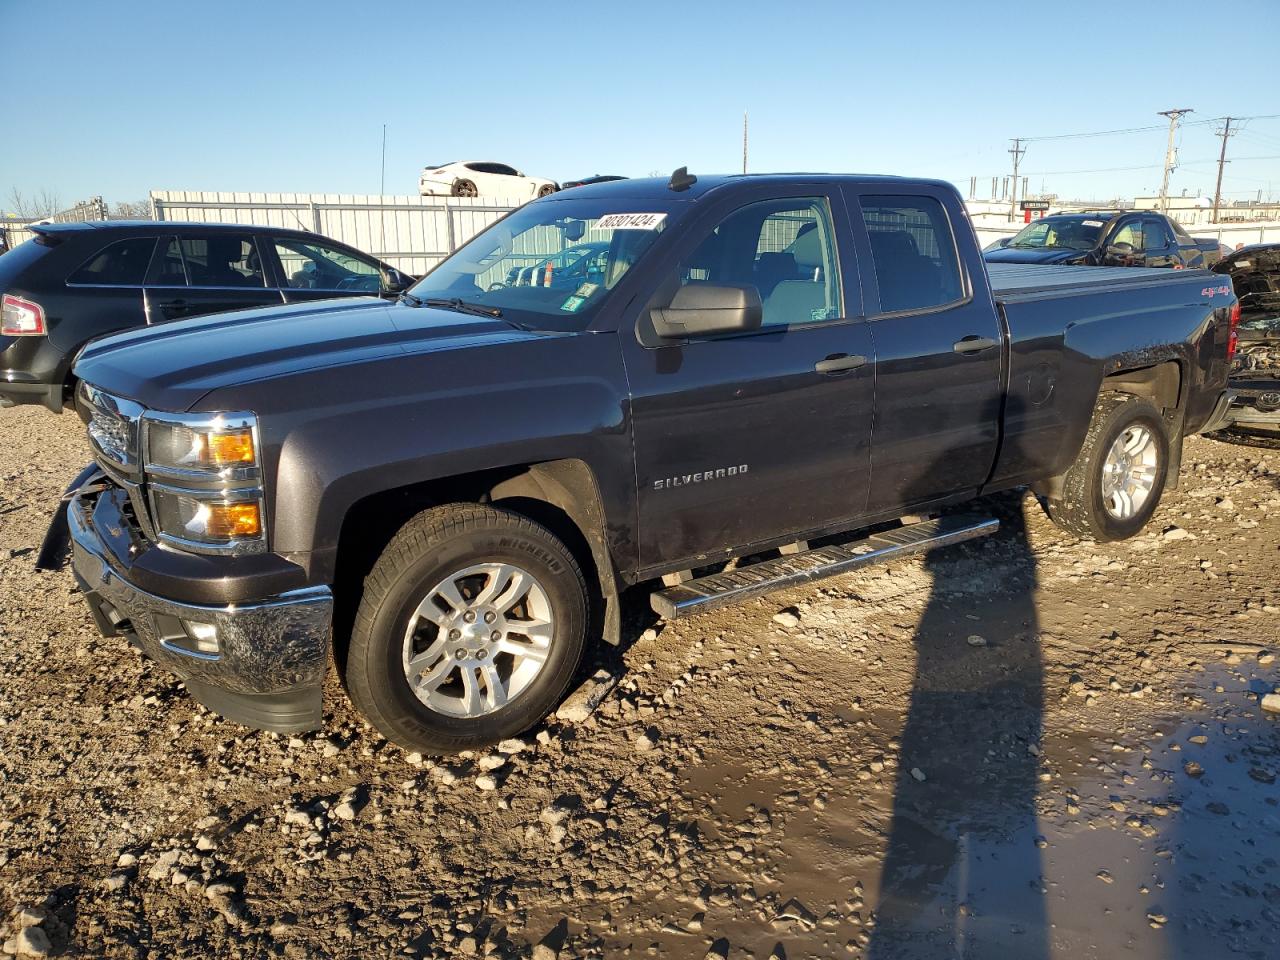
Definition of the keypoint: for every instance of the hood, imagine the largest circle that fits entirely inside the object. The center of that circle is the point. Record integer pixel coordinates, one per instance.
(1255, 275)
(1037, 255)
(170, 367)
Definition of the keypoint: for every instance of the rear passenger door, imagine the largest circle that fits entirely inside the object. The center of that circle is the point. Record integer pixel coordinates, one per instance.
(937, 351)
(211, 273)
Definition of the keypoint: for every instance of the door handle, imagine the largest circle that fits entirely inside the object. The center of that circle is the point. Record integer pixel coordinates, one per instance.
(839, 363)
(974, 344)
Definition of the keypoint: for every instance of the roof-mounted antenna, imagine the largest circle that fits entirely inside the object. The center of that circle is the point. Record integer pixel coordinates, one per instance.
(682, 179)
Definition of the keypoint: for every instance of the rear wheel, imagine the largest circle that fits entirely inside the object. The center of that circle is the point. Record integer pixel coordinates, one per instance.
(1115, 484)
(465, 188)
(471, 627)
(546, 190)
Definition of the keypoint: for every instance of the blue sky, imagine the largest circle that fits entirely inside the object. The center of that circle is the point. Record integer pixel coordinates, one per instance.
(121, 97)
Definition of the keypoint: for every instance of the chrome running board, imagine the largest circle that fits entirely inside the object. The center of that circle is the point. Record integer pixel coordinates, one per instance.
(744, 583)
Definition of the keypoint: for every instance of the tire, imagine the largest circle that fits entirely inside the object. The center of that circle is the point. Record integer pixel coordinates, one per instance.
(440, 546)
(465, 188)
(546, 190)
(1084, 507)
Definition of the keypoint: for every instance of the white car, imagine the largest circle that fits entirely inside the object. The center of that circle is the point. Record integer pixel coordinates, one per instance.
(480, 178)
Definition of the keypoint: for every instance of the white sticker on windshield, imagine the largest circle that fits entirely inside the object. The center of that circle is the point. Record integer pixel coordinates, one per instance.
(630, 221)
(1091, 223)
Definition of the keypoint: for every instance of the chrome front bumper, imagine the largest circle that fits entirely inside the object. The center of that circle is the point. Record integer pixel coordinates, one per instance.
(270, 658)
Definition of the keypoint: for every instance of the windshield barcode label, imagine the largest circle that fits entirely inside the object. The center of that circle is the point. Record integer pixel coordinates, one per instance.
(630, 221)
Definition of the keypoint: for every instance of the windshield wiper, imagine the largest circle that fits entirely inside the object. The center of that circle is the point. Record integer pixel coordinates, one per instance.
(461, 306)
(406, 296)
(475, 309)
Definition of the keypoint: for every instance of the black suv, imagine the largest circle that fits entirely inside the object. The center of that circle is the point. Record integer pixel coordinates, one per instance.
(76, 281)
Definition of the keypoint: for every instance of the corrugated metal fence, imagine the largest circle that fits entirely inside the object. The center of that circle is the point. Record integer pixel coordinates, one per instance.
(411, 233)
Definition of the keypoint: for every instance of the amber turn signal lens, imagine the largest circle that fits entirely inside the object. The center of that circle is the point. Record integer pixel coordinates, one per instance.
(229, 521)
(228, 449)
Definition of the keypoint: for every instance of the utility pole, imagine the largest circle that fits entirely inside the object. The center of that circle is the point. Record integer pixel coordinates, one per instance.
(1222, 161)
(1016, 151)
(1170, 154)
(383, 188)
(744, 141)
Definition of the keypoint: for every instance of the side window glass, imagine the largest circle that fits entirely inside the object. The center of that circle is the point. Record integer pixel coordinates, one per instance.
(313, 266)
(785, 249)
(1154, 234)
(1130, 233)
(168, 269)
(120, 264)
(222, 261)
(913, 251)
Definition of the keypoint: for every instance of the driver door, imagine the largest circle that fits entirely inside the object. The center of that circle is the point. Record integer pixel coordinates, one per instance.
(753, 436)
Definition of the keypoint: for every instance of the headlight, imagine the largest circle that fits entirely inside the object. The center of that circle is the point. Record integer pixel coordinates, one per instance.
(204, 478)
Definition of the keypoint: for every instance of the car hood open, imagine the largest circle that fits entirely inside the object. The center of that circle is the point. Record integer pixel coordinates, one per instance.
(1255, 275)
(171, 366)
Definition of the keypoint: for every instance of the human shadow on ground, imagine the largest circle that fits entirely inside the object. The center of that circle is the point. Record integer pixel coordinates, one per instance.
(962, 873)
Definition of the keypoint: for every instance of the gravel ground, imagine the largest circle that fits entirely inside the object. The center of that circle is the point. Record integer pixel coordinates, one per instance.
(1022, 747)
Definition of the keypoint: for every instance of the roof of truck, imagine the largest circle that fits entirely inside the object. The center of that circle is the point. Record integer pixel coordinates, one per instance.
(705, 183)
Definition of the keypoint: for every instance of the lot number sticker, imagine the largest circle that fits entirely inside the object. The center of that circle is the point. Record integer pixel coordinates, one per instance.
(630, 221)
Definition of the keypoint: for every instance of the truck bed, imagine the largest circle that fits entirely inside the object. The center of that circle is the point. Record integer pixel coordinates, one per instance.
(1012, 282)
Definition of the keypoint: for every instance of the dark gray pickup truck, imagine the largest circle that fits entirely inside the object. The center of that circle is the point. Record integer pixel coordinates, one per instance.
(450, 492)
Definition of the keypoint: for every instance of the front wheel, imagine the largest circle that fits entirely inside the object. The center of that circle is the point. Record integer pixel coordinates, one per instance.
(1115, 484)
(472, 625)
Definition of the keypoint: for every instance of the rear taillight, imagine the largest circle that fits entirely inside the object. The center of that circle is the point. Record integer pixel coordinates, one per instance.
(21, 318)
(1233, 338)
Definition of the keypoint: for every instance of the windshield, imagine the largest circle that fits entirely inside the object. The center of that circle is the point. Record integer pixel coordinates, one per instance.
(549, 265)
(1071, 233)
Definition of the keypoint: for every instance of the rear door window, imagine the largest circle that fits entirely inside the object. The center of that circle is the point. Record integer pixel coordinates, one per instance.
(914, 252)
(1155, 235)
(119, 264)
(212, 261)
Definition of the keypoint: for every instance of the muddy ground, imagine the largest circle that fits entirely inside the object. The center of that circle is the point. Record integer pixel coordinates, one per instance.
(1024, 747)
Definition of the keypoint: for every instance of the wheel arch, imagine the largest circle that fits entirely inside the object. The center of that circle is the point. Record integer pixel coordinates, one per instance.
(1163, 383)
(561, 495)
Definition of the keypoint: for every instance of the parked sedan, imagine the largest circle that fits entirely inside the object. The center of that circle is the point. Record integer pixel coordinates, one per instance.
(481, 178)
(1106, 238)
(77, 281)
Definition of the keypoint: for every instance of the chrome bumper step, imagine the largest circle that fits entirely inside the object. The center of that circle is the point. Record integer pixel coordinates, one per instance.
(744, 583)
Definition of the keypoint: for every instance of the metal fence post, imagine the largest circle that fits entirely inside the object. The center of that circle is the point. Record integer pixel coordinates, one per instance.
(315, 217)
(448, 226)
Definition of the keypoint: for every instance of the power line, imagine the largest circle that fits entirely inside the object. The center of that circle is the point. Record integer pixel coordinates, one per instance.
(1150, 129)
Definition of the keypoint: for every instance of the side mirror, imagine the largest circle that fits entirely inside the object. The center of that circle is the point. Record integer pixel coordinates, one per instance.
(393, 281)
(1120, 249)
(1004, 241)
(700, 309)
